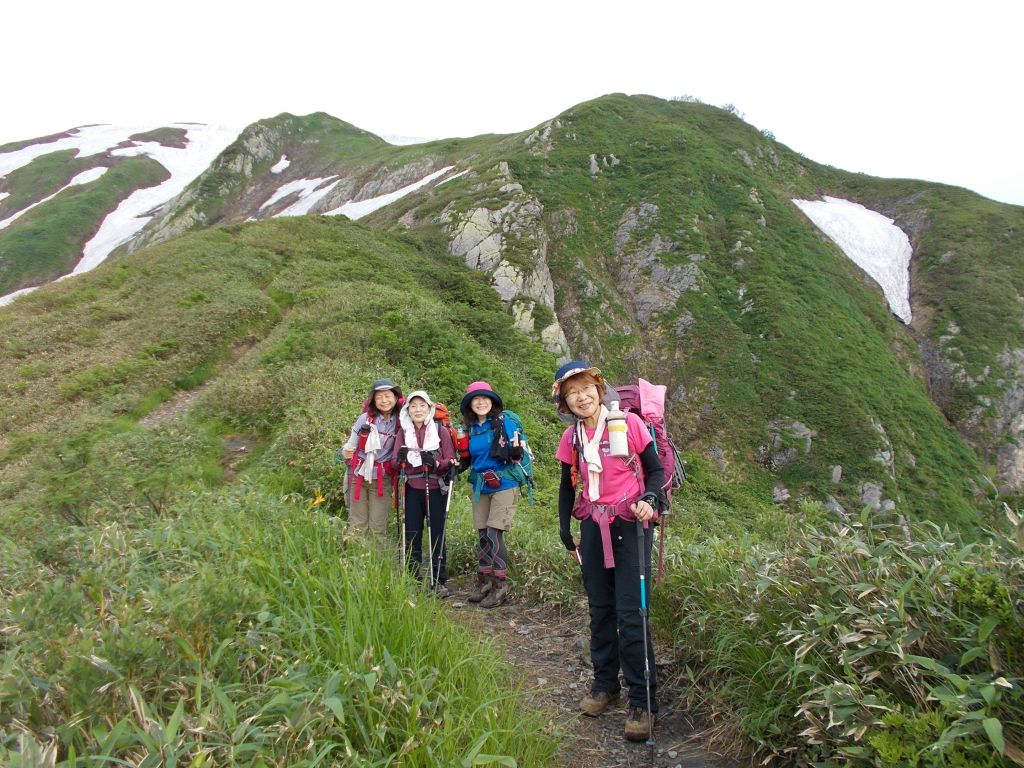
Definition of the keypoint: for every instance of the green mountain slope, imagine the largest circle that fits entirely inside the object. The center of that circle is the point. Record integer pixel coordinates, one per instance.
(660, 239)
(47, 241)
(240, 183)
(299, 315)
(968, 294)
(675, 253)
(163, 594)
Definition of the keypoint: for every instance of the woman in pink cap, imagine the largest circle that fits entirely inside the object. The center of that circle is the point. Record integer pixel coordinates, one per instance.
(495, 449)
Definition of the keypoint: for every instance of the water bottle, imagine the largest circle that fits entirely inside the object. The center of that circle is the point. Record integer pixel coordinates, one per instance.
(617, 444)
(462, 441)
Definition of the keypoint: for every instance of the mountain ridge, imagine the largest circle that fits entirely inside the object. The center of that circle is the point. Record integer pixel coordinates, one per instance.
(676, 200)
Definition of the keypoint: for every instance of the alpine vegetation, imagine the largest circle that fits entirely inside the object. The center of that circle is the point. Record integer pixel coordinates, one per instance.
(841, 577)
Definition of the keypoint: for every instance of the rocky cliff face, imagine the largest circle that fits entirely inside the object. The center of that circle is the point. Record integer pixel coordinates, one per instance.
(510, 245)
(227, 177)
(974, 374)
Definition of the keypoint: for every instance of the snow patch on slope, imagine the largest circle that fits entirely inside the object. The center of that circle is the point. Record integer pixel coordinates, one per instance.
(872, 241)
(356, 210)
(203, 144)
(310, 193)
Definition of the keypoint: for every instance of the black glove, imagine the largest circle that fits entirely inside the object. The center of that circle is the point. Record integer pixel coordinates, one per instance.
(429, 461)
(515, 452)
(403, 456)
(566, 536)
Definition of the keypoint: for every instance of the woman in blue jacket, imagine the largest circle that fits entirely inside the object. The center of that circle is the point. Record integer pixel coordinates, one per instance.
(495, 448)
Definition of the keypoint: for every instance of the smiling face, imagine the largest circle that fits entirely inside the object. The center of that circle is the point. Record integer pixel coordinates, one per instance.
(481, 405)
(385, 401)
(583, 395)
(418, 410)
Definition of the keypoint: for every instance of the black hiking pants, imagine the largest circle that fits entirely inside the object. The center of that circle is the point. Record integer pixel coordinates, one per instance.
(616, 624)
(415, 515)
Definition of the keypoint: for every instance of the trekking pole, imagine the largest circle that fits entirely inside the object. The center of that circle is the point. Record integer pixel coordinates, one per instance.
(401, 501)
(447, 505)
(394, 501)
(641, 539)
(662, 530)
(430, 533)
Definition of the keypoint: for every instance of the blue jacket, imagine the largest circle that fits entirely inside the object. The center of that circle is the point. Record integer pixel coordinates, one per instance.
(481, 440)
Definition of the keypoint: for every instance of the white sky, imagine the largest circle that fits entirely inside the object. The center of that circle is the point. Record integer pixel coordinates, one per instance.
(901, 88)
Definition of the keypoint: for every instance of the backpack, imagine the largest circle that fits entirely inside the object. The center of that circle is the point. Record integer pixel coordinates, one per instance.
(647, 401)
(521, 470)
(444, 421)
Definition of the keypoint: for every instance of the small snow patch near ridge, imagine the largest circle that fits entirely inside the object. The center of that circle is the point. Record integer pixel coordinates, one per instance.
(281, 164)
(872, 241)
(310, 192)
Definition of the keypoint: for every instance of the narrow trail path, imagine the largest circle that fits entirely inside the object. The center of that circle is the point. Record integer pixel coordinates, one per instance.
(550, 650)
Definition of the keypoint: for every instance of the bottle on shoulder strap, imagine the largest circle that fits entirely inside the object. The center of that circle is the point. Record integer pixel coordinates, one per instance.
(617, 443)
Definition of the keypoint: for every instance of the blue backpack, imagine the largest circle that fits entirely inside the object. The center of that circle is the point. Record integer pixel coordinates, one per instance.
(521, 471)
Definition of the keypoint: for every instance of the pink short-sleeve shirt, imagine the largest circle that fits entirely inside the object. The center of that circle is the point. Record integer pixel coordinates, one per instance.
(619, 481)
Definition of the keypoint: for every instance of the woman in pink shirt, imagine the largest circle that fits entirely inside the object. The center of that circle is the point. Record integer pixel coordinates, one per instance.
(614, 493)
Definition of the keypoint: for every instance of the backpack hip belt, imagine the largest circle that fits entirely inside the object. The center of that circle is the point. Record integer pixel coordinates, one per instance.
(603, 515)
(511, 472)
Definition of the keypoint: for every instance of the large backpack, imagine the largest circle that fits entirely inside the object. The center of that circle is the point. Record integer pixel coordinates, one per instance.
(647, 401)
(444, 421)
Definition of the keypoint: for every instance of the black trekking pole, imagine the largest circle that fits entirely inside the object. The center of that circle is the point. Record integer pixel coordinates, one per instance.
(641, 540)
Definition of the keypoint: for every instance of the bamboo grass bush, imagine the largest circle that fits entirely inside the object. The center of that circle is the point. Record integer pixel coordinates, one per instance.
(854, 644)
(251, 630)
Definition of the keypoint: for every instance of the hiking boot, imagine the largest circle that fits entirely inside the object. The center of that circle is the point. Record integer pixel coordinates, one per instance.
(441, 590)
(637, 726)
(482, 587)
(497, 595)
(596, 702)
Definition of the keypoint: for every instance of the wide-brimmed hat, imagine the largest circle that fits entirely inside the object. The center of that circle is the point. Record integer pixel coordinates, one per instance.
(567, 371)
(382, 385)
(480, 389)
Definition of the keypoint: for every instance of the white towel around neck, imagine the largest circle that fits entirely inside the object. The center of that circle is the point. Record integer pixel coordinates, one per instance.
(431, 439)
(590, 450)
(372, 445)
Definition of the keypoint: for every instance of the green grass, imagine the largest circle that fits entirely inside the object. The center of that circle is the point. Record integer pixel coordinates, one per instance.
(42, 177)
(168, 136)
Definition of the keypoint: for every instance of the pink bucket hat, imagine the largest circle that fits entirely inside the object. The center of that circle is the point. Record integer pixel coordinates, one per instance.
(480, 389)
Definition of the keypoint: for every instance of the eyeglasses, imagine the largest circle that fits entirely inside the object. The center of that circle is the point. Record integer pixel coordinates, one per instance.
(576, 394)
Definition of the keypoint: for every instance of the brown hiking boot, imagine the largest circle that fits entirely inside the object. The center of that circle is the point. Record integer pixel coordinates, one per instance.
(482, 587)
(638, 728)
(499, 590)
(596, 702)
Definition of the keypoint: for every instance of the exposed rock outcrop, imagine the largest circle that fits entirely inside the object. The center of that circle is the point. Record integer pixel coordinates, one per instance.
(510, 245)
(258, 145)
(654, 287)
